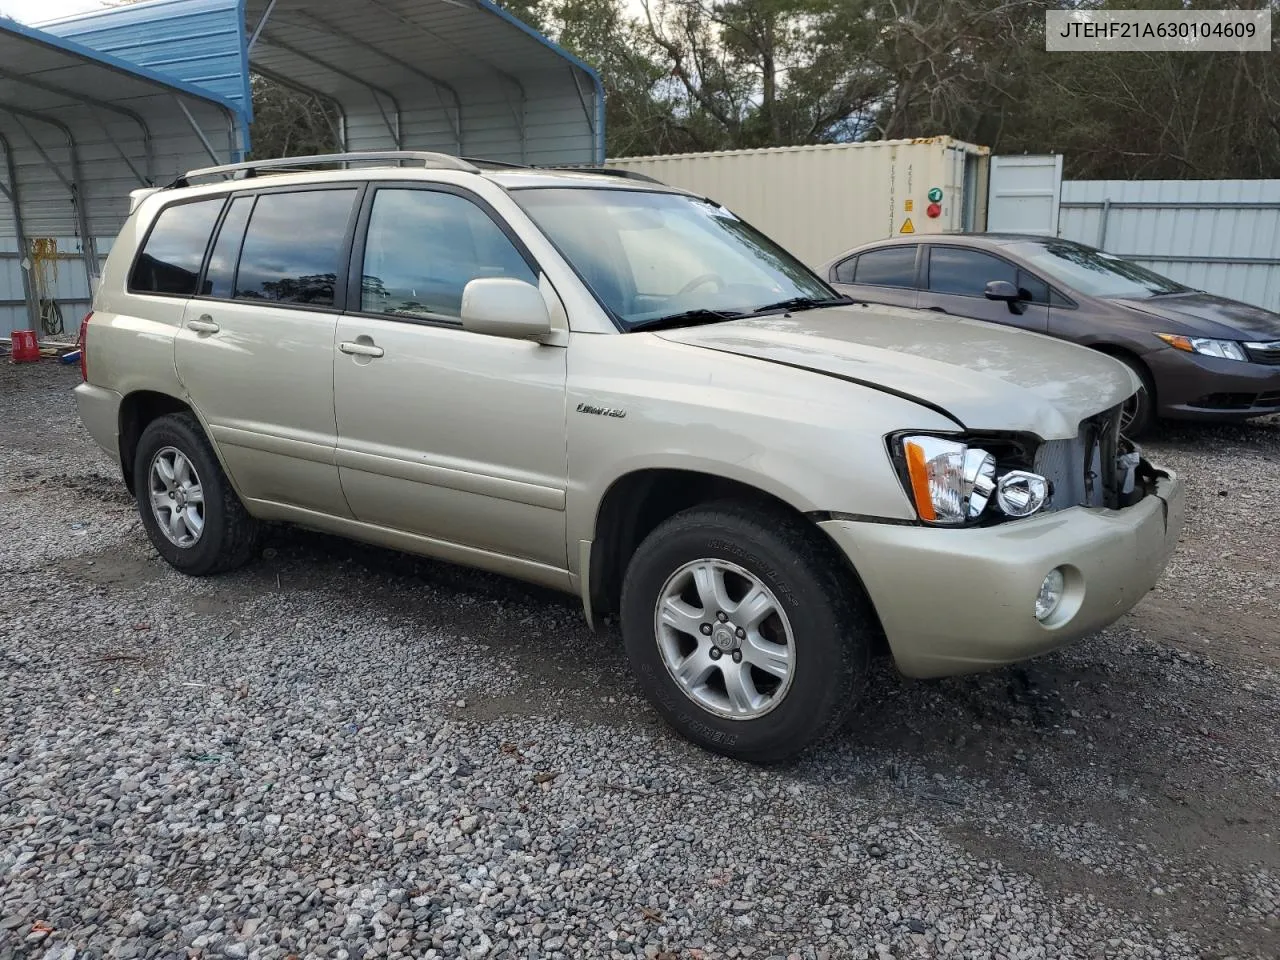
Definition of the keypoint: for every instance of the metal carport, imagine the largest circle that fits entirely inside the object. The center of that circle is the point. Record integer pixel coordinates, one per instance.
(460, 76)
(80, 129)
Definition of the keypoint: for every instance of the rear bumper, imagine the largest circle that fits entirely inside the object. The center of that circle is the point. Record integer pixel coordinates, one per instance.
(959, 601)
(100, 413)
(1192, 387)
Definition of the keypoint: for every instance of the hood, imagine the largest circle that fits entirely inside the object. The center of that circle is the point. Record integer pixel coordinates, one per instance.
(1206, 315)
(983, 376)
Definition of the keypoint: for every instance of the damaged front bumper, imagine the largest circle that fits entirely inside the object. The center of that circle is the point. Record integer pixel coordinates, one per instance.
(959, 601)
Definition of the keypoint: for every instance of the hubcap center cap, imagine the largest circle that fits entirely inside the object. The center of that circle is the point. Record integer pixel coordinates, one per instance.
(725, 637)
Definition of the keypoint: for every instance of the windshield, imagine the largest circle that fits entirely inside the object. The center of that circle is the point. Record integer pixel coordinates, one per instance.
(652, 256)
(1099, 274)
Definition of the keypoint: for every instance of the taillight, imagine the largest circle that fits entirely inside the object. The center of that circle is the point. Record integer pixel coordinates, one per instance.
(82, 343)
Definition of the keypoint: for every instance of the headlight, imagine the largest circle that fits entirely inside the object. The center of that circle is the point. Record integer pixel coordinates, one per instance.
(1225, 349)
(952, 483)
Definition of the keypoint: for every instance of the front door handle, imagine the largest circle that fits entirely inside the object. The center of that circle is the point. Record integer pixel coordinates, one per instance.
(357, 349)
(204, 325)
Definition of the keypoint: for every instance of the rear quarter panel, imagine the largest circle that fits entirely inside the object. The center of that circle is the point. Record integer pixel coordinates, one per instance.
(130, 339)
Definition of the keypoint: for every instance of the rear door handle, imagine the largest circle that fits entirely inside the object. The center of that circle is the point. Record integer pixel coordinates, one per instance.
(204, 325)
(357, 349)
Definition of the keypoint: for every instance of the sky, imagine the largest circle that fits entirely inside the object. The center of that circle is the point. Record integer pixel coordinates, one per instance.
(37, 11)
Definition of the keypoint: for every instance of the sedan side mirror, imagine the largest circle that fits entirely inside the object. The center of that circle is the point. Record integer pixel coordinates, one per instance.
(505, 307)
(1003, 290)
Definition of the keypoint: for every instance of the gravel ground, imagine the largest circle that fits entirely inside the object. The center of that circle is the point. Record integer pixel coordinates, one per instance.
(344, 752)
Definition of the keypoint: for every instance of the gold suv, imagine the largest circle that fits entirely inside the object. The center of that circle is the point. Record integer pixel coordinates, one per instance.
(594, 382)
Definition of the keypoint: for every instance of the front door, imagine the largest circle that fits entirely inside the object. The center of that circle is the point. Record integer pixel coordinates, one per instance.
(956, 281)
(255, 351)
(444, 433)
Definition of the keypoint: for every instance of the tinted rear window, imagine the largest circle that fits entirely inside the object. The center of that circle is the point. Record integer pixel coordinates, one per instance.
(171, 258)
(293, 248)
(889, 267)
(219, 277)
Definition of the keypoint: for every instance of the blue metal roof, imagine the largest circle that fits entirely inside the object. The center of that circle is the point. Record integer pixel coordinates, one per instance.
(196, 42)
(431, 74)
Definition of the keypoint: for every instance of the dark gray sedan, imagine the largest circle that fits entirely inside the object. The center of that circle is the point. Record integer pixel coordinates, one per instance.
(1200, 356)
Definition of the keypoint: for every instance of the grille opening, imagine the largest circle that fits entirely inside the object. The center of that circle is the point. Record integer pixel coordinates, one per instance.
(1270, 354)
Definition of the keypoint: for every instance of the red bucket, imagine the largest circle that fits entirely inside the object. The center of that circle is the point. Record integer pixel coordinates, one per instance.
(25, 347)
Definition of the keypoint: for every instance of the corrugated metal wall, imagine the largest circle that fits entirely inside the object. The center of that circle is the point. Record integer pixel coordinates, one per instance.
(1222, 236)
(819, 201)
(69, 284)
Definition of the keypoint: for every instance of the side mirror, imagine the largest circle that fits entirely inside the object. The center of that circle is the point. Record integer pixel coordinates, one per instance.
(1003, 290)
(505, 307)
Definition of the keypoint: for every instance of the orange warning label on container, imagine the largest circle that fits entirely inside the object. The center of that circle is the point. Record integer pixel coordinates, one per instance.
(907, 227)
(909, 205)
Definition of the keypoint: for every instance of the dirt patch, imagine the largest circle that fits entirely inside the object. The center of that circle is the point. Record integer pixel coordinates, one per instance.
(115, 566)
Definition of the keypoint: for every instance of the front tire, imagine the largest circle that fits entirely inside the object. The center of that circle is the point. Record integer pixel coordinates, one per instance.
(1138, 415)
(188, 507)
(745, 630)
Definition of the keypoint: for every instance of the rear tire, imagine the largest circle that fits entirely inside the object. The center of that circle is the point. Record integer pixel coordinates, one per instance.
(773, 665)
(188, 507)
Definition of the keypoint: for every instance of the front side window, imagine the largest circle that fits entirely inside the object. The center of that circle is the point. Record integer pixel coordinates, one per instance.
(653, 257)
(423, 247)
(293, 247)
(1036, 290)
(887, 267)
(966, 273)
(171, 258)
(1098, 274)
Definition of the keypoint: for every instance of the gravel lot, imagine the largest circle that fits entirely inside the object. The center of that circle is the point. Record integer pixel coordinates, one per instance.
(344, 752)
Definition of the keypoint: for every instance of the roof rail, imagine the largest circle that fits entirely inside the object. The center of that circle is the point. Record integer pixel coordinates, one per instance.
(611, 172)
(431, 161)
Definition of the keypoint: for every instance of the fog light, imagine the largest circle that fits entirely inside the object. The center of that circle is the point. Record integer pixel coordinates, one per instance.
(1020, 494)
(1050, 595)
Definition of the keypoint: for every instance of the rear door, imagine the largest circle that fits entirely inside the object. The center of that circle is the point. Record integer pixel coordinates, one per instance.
(956, 281)
(880, 275)
(255, 352)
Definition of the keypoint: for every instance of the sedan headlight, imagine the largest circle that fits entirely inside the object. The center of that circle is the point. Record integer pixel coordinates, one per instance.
(953, 484)
(1223, 349)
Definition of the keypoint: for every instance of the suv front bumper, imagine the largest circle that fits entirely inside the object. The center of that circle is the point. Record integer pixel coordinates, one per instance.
(960, 601)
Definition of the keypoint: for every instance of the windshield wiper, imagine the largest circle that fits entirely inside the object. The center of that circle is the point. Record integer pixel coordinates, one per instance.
(686, 318)
(802, 303)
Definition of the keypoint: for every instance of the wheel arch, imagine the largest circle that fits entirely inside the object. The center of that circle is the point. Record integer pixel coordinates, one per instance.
(137, 410)
(637, 502)
(1135, 360)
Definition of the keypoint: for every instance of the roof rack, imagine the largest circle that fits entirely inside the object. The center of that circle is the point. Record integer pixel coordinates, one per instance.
(430, 161)
(610, 172)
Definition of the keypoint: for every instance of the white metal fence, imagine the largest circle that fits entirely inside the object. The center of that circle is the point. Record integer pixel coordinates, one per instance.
(1222, 236)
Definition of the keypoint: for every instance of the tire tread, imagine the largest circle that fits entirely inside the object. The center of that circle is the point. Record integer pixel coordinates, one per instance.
(855, 620)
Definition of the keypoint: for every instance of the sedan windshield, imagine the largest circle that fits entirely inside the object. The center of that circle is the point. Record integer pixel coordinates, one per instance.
(1099, 274)
(666, 258)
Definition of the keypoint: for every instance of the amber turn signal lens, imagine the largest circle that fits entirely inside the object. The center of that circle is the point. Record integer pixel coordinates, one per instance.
(919, 473)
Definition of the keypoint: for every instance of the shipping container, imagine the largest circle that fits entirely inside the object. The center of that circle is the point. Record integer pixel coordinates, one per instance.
(818, 201)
